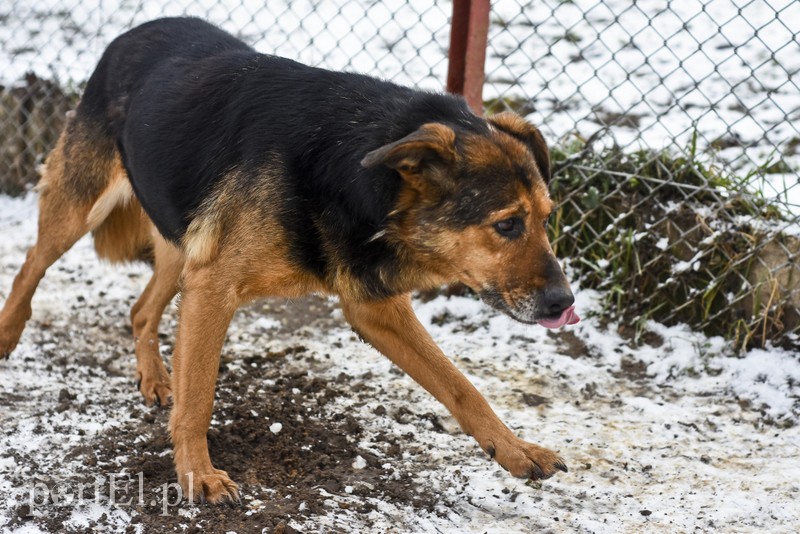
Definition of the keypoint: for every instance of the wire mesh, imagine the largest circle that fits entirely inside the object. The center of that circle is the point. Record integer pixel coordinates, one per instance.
(675, 125)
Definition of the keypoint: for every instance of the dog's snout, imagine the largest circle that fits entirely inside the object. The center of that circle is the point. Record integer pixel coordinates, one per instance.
(557, 299)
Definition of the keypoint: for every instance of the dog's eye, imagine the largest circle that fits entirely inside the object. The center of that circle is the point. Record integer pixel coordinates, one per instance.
(510, 228)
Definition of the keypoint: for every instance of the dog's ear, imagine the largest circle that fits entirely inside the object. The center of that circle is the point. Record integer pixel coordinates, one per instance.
(517, 127)
(431, 145)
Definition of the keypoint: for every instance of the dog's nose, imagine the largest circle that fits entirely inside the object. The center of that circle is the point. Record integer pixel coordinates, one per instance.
(557, 299)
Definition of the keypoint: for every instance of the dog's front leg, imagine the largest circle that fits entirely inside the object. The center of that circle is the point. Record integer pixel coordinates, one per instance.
(205, 312)
(392, 328)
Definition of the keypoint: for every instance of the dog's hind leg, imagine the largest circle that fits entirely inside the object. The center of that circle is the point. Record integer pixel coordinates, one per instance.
(152, 376)
(75, 177)
(61, 223)
(60, 227)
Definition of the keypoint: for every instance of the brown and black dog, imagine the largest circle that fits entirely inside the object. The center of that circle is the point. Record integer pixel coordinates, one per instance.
(242, 175)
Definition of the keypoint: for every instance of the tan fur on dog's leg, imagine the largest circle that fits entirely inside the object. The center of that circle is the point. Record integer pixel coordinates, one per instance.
(152, 375)
(74, 176)
(61, 224)
(206, 311)
(392, 328)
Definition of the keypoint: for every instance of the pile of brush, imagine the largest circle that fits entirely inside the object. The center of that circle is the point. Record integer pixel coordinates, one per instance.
(32, 114)
(678, 241)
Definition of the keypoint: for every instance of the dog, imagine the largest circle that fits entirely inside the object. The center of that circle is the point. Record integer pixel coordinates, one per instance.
(241, 175)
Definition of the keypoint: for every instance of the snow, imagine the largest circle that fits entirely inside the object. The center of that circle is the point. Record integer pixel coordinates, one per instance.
(359, 463)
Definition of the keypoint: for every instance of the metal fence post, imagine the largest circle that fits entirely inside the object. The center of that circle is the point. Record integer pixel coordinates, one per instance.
(468, 34)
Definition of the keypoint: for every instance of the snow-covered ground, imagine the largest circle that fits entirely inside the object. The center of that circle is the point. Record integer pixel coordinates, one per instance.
(673, 436)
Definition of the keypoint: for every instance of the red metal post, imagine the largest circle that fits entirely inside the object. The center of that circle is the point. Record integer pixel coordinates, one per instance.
(468, 34)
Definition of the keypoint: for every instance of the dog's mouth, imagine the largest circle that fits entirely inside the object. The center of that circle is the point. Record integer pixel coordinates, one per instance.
(568, 316)
(527, 314)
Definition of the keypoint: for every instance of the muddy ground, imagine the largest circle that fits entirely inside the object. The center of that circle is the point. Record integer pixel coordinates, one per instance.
(287, 475)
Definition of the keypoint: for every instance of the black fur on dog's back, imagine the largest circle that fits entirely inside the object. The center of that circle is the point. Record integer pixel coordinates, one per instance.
(134, 55)
(190, 103)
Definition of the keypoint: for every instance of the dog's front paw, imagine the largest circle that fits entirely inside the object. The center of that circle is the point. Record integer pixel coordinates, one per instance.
(213, 486)
(523, 459)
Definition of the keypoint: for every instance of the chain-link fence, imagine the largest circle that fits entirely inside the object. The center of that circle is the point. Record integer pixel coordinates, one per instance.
(675, 125)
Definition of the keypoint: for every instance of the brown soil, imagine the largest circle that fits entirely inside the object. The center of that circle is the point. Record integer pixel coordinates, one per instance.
(294, 474)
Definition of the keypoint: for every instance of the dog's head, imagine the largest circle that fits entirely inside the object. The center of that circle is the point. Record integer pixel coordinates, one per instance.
(474, 208)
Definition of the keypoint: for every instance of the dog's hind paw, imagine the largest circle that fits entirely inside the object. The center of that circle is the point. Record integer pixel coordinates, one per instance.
(155, 391)
(6, 348)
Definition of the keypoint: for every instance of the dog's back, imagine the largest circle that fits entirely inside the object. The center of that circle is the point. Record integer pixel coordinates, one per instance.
(88, 165)
(133, 56)
(296, 130)
(188, 105)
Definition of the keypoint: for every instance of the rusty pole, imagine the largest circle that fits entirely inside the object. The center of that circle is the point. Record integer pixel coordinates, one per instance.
(468, 34)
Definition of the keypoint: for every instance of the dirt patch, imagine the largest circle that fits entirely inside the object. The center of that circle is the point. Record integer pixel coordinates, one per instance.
(632, 369)
(570, 344)
(294, 456)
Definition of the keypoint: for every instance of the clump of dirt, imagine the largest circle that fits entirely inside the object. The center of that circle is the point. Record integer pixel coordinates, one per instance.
(303, 467)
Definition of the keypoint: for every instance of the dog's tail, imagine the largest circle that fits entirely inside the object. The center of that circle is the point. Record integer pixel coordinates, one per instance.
(121, 229)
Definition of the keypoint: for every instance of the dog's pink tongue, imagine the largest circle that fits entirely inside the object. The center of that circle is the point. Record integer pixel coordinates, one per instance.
(568, 316)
